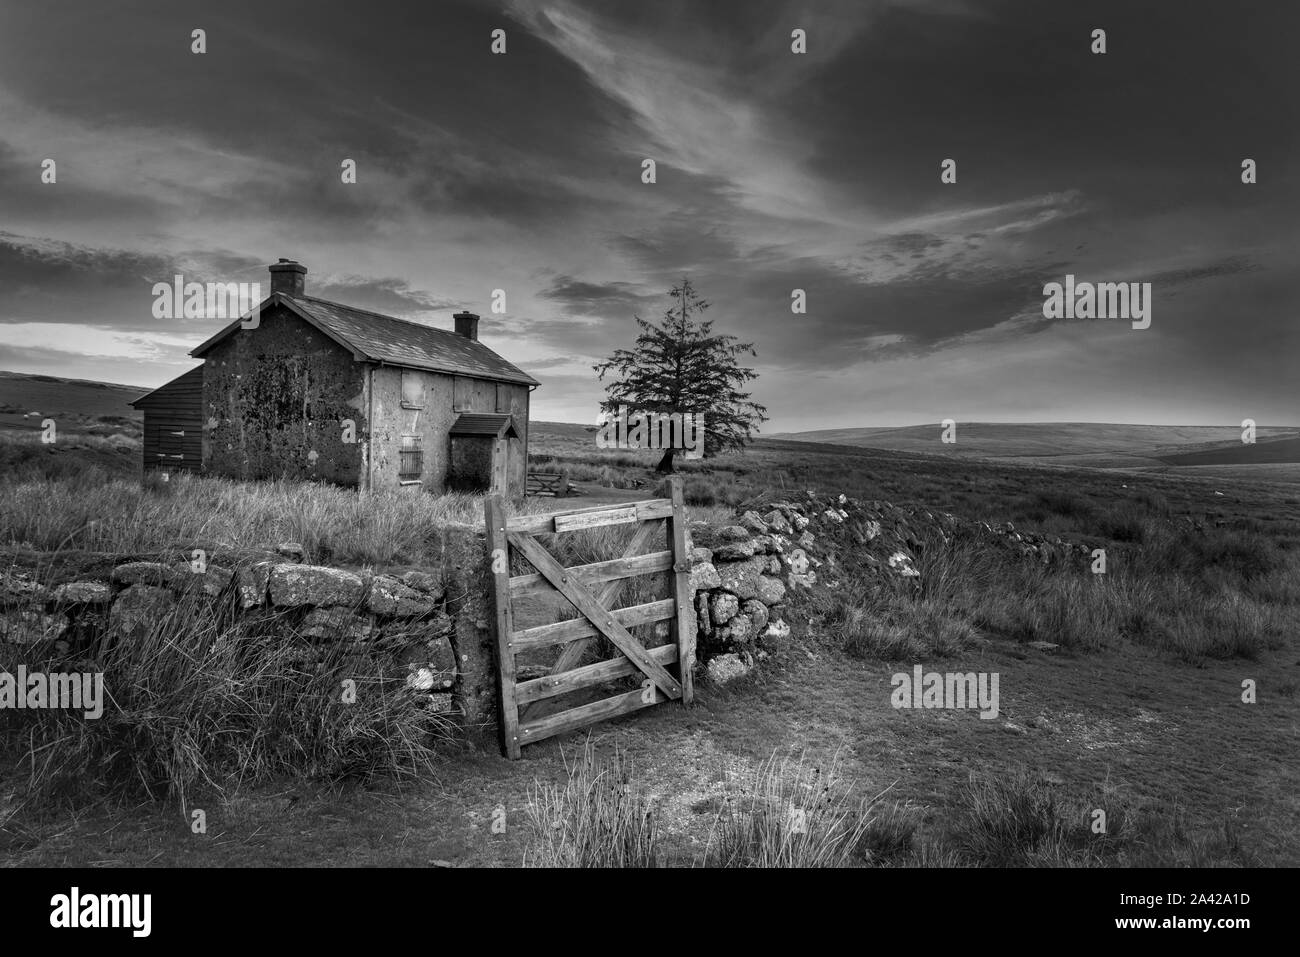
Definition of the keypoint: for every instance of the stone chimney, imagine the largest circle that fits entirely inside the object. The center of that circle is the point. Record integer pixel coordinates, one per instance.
(287, 277)
(466, 325)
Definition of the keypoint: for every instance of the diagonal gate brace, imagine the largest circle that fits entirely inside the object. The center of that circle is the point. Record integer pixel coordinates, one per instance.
(582, 599)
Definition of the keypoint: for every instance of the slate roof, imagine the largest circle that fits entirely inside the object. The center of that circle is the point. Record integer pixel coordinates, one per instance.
(378, 338)
(496, 424)
(186, 384)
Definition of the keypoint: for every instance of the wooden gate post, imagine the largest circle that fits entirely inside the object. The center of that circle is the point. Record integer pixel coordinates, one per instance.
(685, 620)
(500, 468)
(499, 556)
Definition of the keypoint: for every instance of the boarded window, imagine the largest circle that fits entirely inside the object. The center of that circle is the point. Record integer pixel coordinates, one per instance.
(410, 468)
(412, 390)
(462, 394)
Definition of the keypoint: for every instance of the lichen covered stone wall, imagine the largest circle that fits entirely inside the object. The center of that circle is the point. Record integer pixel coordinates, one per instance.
(430, 618)
(274, 402)
(746, 575)
(745, 579)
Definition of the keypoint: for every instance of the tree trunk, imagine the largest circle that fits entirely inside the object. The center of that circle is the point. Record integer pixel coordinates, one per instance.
(665, 465)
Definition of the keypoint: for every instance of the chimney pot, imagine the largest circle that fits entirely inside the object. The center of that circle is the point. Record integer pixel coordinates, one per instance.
(466, 325)
(287, 277)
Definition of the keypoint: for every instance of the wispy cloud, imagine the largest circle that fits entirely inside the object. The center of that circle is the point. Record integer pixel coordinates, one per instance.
(776, 171)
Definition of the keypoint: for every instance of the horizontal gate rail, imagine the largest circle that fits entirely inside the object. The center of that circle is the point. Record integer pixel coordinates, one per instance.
(545, 524)
(597, 572)
(587, 676)
(562, 632)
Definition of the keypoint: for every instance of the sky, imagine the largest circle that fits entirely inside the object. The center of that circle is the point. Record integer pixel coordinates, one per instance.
(775, 171)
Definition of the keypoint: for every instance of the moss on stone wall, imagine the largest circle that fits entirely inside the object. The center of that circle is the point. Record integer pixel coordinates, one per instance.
(278, 400)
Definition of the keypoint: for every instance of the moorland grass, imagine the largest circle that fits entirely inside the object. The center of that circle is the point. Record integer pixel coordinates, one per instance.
(1194, 576)
(201, 702)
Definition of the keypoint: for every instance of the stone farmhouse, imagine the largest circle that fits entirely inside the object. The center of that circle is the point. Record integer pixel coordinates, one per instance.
(308, 389)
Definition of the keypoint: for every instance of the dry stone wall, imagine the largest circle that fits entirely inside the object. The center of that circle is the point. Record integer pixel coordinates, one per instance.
(745, 575)
(437, 618)
(742, 576)
(429, 618)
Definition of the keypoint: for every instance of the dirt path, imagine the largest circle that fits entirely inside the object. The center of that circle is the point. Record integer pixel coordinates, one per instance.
(1152, 729)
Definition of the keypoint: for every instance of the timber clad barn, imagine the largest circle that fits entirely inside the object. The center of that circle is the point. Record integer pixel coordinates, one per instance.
(319, 391)
(173, 424)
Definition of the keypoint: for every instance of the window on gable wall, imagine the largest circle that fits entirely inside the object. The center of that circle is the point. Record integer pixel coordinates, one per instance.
(410, 467)
(412, 390)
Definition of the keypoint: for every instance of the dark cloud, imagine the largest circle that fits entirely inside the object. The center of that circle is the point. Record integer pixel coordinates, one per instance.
(27, 263)
(1232, 266)
(1018, 99)
(775, 172)
(608, 299)
(390, 296)
(906, 244)
(45, 280)
(582, 340)
(540, 365)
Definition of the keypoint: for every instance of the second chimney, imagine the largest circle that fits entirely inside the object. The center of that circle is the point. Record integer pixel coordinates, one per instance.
(466, 325)
(287, 277)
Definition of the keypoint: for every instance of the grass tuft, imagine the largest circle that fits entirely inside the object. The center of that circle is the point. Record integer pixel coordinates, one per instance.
(597, 818)
(789, 815)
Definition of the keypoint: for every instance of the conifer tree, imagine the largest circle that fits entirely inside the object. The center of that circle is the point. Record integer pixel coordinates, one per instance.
(681, 366)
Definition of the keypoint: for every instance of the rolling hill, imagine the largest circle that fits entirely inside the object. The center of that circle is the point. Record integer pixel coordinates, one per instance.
(1278, 450)
(1091, 444)
(21, 393)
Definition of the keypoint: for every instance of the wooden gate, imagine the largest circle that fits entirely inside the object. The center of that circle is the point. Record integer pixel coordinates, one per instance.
(594, 591)
(555, 484)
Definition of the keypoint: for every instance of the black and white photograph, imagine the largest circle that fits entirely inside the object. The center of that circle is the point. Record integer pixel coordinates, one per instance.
(491, 435)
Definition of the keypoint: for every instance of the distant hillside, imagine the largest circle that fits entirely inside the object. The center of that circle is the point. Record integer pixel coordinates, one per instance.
(1077, 443)
(98, 433)
(22, 392)
(1282, 450)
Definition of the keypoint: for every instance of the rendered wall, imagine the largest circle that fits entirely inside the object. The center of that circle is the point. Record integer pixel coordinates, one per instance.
(445, 398)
